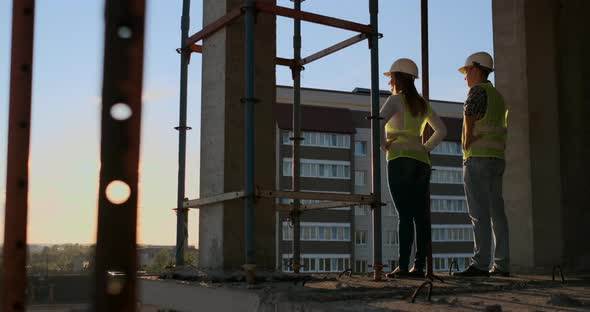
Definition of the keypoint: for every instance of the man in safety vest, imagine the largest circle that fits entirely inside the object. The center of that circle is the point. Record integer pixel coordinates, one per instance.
(484, 141)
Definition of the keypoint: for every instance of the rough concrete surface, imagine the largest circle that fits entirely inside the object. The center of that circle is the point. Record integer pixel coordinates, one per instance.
(328, 292)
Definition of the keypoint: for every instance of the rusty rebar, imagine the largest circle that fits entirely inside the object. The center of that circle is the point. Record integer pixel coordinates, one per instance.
(17, 173)
(116, 263)
(429, 283)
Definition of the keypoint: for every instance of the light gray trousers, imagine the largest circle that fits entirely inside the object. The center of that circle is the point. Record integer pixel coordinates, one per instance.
(483, 189)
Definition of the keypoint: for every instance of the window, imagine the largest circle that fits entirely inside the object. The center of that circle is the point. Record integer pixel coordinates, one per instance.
(447, 175)
(319, 139)
(452, 233)
(310, 231)
(360, 266)
(448, 204)
(311, 168)
(391, 238)
(361, 210)
(360, 178)
(448, 148)
(442, 262)
(360, 148)
(318, 263)
(360, 237)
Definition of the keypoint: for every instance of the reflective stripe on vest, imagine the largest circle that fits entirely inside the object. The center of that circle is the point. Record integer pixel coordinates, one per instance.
(490, 131)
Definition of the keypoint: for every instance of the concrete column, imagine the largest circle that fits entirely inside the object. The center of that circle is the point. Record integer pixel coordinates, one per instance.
(574, 111)
(221, 231)
(530, 74)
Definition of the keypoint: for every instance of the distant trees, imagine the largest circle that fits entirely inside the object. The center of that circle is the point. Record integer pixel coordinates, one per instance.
(76, 258)
(61, 258)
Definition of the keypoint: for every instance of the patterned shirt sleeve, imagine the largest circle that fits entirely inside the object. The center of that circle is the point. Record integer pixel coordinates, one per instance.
(476, 103)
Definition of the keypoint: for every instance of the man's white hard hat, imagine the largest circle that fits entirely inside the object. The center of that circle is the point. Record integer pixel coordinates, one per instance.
(403, 65)
(482, 59)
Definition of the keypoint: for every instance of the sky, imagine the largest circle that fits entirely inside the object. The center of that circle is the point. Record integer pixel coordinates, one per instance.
(67, 77)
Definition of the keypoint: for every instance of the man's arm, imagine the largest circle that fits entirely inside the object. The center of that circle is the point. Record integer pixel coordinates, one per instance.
(468, 125)
(474, 109)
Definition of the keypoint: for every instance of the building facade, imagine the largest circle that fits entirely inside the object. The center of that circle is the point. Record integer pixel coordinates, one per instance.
(336, 157)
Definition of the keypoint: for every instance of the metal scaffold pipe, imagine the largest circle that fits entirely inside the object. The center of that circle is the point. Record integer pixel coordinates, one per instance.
(249, 133)
(181, 212)
(296, 168)
(375, 152)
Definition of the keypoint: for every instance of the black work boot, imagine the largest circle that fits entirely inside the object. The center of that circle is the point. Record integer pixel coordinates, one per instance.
(472, 271)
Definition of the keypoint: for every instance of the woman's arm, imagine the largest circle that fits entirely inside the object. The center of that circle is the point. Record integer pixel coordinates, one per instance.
(440, 131)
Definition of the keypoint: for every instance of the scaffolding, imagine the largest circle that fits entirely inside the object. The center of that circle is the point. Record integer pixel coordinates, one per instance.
(296, 64)
(115, 270)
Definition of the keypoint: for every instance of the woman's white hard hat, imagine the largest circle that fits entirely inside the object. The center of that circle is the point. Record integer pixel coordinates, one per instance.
(403, 65)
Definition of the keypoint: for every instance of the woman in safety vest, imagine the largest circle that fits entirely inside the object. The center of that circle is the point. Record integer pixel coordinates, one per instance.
(405, 115)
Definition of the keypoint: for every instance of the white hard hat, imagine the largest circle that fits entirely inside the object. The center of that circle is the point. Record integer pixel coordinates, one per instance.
(403, 65)
(482, 59)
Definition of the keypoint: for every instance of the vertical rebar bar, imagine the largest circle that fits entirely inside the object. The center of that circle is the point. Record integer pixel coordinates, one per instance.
(427, 132)
(181, 212)
(17, 165)
(249, 131)
(116, 258)
(296, 139)
(375, 152)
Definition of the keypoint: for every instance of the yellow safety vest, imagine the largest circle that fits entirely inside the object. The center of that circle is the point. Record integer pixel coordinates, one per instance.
(407, 142)
(490, 131)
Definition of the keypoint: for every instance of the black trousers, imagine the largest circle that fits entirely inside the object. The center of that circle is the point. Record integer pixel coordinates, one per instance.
(409, 185)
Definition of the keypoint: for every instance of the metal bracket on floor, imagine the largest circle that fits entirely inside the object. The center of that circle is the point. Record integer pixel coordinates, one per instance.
(250, 270)
(429, 283)
(346, 272)
(303, 280)
(377, 271)
(558, 267)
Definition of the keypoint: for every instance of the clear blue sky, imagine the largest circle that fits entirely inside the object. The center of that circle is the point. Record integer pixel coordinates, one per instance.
(67, 85)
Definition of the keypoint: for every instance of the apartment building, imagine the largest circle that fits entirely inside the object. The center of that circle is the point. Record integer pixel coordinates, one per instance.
(336, 157)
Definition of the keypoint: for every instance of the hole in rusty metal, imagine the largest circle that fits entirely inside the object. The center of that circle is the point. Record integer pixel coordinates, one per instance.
(124, 32)
(20, 244)
(28, 11)
(121, 111)
(115, 282)
(24, 67)
(117, 192)
(23, 124)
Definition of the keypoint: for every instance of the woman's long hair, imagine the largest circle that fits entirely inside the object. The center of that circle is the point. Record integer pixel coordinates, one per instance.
(405, 83)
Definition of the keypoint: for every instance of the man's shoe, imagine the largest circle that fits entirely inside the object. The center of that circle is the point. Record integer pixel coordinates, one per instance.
(398, 272)
(497, 272)
(472, 271)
